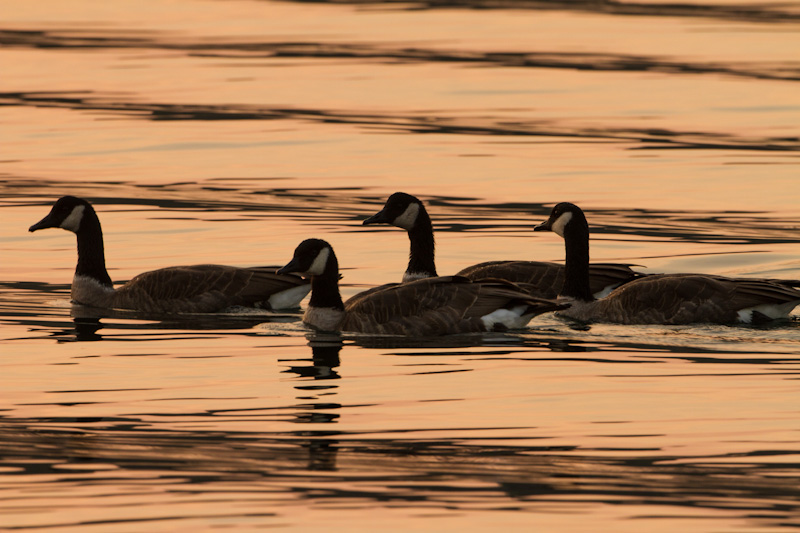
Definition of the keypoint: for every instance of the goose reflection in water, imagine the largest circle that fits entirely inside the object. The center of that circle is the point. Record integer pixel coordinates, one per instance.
(86, 329)
(87, 323)
(322, 450)
(324, 358)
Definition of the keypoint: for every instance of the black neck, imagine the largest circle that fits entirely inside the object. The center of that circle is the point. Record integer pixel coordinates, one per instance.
(576, 275)
(421, 259)
(325, 287)
(91, 252)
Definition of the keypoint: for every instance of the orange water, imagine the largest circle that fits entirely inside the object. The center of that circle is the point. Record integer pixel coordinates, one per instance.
(228, 131)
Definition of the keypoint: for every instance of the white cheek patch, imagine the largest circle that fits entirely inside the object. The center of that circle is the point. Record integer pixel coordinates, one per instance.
(560, 223)
(408, 218)
(73, 221)
(318, 266)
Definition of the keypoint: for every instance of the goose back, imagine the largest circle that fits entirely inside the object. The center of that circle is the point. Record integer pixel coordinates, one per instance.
(209, 288)
(544, 279)
(438, 306)
(690, 298)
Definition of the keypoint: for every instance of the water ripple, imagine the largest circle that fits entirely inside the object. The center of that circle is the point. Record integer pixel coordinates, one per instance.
(105, 40)
(639, 138)
(346, 207)
(360, 472)
(777, 13)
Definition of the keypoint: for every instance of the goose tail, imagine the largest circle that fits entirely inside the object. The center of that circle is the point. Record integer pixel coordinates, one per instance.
(516, 315)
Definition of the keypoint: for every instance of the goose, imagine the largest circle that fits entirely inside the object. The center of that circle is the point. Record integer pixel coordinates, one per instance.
(421, 308)
(662, 298)
(179, 289)
(541, 279)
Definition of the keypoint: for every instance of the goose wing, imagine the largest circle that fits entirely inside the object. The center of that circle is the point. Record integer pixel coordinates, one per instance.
(695, 298)
(265, 283)
(760, 294)
(202, 288)
(603, 276)
(541, 278)
(545, 279)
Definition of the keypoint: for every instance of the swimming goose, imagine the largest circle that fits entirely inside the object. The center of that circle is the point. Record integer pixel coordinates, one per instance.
(542, 279)
(426, 307)
(180, 289)
(663, 298)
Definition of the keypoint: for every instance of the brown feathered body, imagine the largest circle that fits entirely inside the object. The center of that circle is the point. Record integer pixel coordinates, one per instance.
(688, 299)
(438, 306)
(196, 289)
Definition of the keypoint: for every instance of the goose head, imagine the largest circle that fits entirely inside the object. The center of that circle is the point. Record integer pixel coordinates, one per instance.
(565, 218)
(67, 213)
(401, 210)
(312, 257)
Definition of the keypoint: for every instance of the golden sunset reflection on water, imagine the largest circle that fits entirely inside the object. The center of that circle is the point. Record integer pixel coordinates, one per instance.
(229, 131)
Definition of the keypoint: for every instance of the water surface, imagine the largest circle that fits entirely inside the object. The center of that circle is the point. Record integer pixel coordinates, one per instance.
(228, 131)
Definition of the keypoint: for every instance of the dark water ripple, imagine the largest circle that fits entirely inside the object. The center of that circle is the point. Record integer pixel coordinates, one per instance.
(344, 208)
(778, 12)
(640, 138)
(106, 40)
(350, 469)
(298, 450)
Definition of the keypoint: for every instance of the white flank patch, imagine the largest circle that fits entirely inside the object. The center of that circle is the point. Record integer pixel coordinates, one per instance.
(408, 218)
(318, 266)
(413, 276)
(772, 311)
(510, 318)
(560, 223)
(73, 221)
(289, 298)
